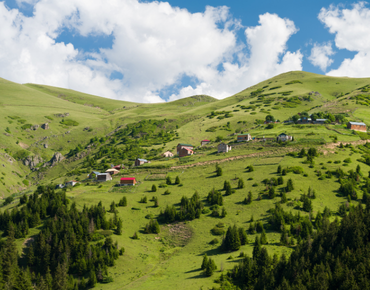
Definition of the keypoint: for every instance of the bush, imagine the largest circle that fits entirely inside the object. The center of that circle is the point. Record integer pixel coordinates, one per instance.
(214, 241)
(26, 182)
(69, 122)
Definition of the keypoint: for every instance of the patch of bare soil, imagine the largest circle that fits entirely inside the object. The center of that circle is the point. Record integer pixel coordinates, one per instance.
(179, 234)
(23, 145)
(335, 145)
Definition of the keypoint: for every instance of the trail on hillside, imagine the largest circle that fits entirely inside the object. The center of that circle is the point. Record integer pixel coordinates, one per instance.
(257, 154)
(268, 153)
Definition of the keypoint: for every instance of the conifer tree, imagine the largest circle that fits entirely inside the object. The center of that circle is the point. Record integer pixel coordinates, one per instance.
(256, 248)
(250, 197)
(92, 278)
(283, 197)
(61, 277)
(263, 238)
(223, 212)
(205, 262)
(219, 171)
(271, 193)
(243, 236)
(168, 180)
(119, 227)
(289, 186)
(241, 183)
(154, 188)
(279, 169)
(177, 181)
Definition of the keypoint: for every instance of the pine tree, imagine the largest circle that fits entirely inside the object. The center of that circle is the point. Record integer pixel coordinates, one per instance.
(168, 180)
(92, 278)
(177, 181)
(241, 183)
(250, 197)
(154, 188)
(271, 193)
(256, 248)
(279, 169)
(243, 236)
(223, 213)
(205, 262)
(119, 227)
(219, 171)
(289, 186)
(61, 277)
(263, 238)
(283, 198)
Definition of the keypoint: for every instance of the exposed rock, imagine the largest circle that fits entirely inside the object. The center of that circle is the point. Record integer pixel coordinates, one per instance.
(68, 132)
(86, 128)
(32, 161)
(56, 158)
(34, 127)
(61, 115)
(46, 146)
(45, 126)
(111, 133)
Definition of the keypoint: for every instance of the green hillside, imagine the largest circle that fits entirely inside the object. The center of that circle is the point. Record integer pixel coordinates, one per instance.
(89, 133)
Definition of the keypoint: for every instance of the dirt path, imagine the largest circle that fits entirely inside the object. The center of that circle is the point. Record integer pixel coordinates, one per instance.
(268, 153)
(257, 154)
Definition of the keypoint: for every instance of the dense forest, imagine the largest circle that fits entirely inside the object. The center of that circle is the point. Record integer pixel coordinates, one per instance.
(336, 256)
(60, 256)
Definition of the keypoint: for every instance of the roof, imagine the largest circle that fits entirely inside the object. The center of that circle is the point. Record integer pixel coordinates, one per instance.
(187, 149)
(142, 159)
(183, 144)
(357, 123)
(321, 120)
(205, 140)
(128, 178)
(243, 134)
(168, 151)
(283, 134)
(112, 169)
(95, 172)
(103, 174)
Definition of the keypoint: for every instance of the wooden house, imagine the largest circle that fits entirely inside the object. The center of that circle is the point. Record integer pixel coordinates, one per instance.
(104, 177)
(112, 171)
(204, 142)
(182, 145)
(71, 183)
(167, 154)
(93, 174)
(140, 161)
(127, 181)
(119, 166)
(243, 137)
(185, 152)
(284, 137)
(357, 126)
(223, 148)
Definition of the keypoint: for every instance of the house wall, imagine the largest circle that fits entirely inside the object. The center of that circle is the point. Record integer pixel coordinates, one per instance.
(357, 127)
(183, 152)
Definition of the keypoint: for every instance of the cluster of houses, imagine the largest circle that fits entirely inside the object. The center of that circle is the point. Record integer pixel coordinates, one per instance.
(247, 137)
(357, 126)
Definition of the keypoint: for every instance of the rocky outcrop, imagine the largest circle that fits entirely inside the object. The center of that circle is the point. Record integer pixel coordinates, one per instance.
(56, 159)
(32, 161)
(46, 146)
(34, 127)
(61, 115)
(45, 126)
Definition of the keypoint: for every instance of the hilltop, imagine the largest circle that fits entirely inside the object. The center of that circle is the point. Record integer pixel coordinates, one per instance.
(52, 135)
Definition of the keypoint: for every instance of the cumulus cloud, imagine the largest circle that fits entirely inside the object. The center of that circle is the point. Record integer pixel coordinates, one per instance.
(352, 29)
(154, 46)
(320, 55)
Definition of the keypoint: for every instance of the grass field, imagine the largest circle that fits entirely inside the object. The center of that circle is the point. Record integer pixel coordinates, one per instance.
(173, 257)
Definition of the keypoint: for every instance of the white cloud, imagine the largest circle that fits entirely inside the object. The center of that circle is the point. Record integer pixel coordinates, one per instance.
(154, 46)
(352, 29)
(320, 55)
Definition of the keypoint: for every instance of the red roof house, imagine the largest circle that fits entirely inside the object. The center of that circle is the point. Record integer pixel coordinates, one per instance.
(204, 142)
(185, 152)
(125, 181)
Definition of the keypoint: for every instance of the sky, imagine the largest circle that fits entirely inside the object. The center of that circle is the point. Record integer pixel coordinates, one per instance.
(153, 51)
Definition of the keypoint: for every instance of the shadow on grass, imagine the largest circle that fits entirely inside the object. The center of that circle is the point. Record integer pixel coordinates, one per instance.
(193, 271)
(198, 276)
(212, 252)
(213, 176)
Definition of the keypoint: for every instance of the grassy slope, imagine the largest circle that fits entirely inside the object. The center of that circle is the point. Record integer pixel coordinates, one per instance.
(152, 263)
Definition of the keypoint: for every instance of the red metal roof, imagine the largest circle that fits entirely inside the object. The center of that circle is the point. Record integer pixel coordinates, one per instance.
(128, 178)
(206, 140)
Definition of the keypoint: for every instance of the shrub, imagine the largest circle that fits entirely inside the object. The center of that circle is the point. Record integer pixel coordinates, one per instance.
(214, 241)
(69, 122)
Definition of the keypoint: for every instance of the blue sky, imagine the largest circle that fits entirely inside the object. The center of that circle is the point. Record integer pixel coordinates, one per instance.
(147, 51)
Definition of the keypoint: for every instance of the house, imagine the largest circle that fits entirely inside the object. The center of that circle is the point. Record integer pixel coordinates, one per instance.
(93, 174)
(126, 181)
(243, 137)
(357, 126)
(304, 120)
(284, 137)
(320, 121)
(112, 171)
(71, 183)
(182, 145)
(118, 167)
(167, 154)
(204, 142)
(223, 148)
(59, 186)
(185, 152)
(103, 177)
(140, 161)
